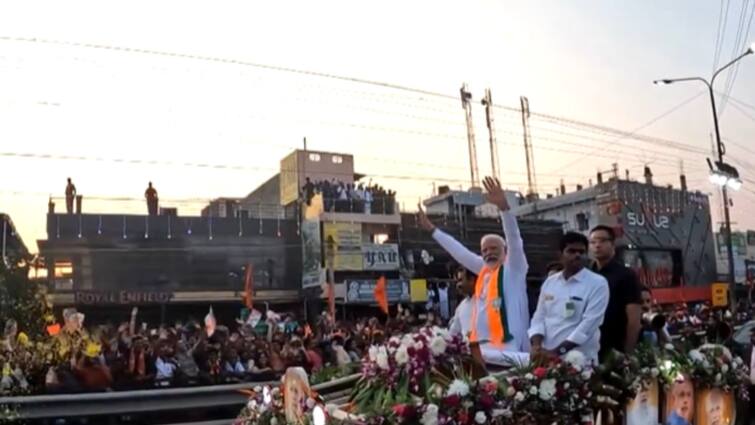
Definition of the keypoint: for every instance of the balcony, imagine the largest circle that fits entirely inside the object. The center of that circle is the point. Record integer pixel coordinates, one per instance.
(383, 210)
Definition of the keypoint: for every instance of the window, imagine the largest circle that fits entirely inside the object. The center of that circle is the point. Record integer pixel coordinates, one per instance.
(63, 269)
(314, 157)
(337, 159)
(583, 223)
(379, 238)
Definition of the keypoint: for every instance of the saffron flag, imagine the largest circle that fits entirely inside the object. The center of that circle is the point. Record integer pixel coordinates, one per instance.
(53, 330)
(248, 286)
(381, 296)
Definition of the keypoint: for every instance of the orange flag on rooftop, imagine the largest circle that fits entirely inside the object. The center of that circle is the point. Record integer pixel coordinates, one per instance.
(381, 295)
(248, 286)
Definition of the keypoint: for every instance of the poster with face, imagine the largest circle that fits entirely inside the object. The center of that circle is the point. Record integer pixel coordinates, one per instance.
(680, 403)
(715, 407)
(295, 394)
(643, 409)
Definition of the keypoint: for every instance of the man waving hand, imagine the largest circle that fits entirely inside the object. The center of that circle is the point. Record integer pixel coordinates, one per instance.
(500, 316)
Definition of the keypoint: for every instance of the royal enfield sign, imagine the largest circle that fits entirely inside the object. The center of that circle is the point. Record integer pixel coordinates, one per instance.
(362, 291)
(122, 297)
(380, 256)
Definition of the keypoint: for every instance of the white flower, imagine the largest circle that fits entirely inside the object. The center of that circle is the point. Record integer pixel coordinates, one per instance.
(533, 390)
(382, 360)
(718, 377)
(586, 374)
(458, 387)
(529, 376)
(654, 372)
(706, 364)
(576, 359)
(566, 386)
(402, 357)
(273, 421)
(251, 405)
(696, 356)
(438, 345)
(373, 352)
(738, 361)
(725, 368)
(519, 396)
(480, 417)
(430, 417)
(547, 389)
(510, 391)
(506, 413)
(669, 347)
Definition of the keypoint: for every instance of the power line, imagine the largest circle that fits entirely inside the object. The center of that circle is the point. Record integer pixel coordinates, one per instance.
(647, 124)
(723, 15)
(739, 45)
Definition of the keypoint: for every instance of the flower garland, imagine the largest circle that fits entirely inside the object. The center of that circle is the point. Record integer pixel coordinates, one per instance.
(714, 367)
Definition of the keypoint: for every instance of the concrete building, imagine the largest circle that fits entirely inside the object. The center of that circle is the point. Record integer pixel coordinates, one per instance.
(106, 263)
(743, 244)
(664, 234)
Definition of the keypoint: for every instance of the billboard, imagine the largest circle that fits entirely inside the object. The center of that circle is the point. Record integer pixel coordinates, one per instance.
(380, 256)
(344, 241)
(362, 291)
(311, 253)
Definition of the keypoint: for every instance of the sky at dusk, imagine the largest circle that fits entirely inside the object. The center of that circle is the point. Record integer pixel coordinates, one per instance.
(129, 111)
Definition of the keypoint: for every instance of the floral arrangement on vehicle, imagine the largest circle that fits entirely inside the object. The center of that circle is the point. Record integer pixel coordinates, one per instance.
(713, 366)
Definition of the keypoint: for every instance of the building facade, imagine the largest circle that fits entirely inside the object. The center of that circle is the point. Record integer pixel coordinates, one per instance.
(664, 234)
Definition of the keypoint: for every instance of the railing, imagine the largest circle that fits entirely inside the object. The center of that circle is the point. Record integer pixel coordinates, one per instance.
(40, 407)
(379, 205)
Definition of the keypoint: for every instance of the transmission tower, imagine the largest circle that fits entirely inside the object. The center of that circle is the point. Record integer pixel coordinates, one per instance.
(531, 180)
(465, 98)
(488, 103)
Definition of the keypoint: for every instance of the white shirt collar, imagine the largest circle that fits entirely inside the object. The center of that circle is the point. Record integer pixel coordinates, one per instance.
(578, 277)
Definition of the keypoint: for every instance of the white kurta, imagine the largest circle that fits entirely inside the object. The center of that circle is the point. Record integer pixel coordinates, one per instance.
(514, 283)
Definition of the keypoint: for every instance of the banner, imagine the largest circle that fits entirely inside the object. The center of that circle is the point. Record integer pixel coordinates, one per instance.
(311, 253)
(362, 291)
(720, 294)
(345, 241)
(380, 256)
(419, 290)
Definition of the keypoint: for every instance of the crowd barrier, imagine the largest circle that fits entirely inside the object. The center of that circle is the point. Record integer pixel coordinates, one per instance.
(37, 407)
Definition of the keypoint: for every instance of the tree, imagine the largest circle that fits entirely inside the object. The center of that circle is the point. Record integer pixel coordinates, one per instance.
(22, 299)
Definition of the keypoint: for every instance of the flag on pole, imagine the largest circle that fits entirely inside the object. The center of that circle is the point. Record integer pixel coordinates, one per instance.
(381, 295)
(248, 286)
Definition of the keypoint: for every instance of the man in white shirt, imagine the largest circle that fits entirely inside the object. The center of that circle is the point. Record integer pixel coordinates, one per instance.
(500, 311)
(571, 305)
(461, 323)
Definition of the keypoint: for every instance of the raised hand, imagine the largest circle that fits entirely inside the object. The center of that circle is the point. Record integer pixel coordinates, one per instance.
(495, 194)
(424, 222)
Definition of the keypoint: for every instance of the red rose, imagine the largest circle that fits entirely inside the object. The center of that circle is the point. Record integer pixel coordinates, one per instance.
(404, 411)
(452, 400)
(487, 402)
(463, 417)
(540, 372)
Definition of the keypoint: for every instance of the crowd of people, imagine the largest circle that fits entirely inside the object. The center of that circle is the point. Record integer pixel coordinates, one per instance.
(350, 197)
(124, 356)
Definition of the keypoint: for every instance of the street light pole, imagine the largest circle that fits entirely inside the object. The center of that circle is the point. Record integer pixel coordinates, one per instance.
(721, 150)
